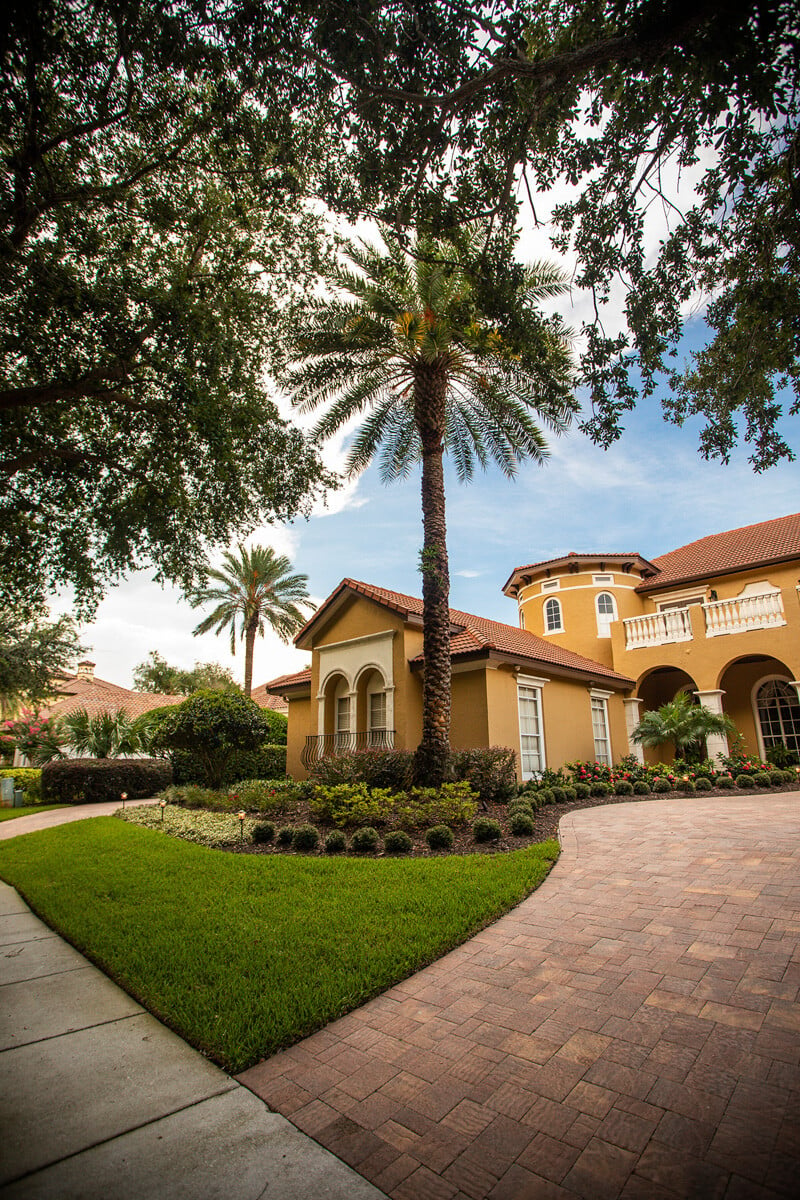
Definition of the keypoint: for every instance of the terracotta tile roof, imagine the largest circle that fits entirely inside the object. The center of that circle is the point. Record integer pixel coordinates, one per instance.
(608, 556)
(98, 696)
(723, 553)
(288, 681)
(472, 634)
(264, 700)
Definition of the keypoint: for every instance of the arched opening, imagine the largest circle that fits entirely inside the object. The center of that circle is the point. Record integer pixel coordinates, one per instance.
(761, 715)
(656, 688)
(553, 621)
(606, 609)
(778, 715)
(374, 709)
(338, 715)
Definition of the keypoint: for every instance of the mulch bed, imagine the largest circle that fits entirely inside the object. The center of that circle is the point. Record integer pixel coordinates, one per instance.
(546, 822)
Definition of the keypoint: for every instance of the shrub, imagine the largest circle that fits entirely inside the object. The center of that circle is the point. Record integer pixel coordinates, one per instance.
(94, 780)
(776, 778)
(305, 837)
(285, 835)
(365, 840)
(559, 794)
(781, 756)
(263, 832)
(439, 837)
(521, 824)
(490, 771)
(702, 784)
(571, 792)
(687, 785)
(662, 785)
(352, 804)
(521, 806)
(641, 788)
(189, 795)
(743, 780)
(450, 804)
(397, 841)
(790, 776)
(27, 778)
(335, 842)
(265, 762)
(761, 779)
(548, 795)
(376, 768)
(277, 726)
(623, 788)
(582, 791)
(486, 830)
(213, 727)
(724, 781)
(599, 788)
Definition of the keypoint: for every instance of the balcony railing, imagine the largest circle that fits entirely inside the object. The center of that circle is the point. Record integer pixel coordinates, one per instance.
(328, 745)
(657, 629)
(743, 613)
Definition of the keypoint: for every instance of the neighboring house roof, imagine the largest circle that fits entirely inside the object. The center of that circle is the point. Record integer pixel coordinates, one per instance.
(98, 696)
(264, 700)
(471, 636)
(758, 545)
(285, 683)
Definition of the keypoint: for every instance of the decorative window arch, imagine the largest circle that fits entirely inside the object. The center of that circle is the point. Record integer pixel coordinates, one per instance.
(777, 712)
(553, 620)
(606, 609)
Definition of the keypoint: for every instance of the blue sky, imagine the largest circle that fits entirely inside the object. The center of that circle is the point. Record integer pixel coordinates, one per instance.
(650, 492)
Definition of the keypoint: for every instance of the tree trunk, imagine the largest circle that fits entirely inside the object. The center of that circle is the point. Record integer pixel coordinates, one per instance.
(249, 645)
(433, 753)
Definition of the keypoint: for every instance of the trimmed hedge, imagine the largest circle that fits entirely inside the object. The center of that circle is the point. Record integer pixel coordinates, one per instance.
(97, 780)
(27, 778)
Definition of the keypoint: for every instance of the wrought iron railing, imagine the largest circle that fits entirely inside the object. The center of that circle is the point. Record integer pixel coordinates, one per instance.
(328, 745)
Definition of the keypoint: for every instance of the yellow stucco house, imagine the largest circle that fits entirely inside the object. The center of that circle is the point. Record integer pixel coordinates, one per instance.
(601, 637)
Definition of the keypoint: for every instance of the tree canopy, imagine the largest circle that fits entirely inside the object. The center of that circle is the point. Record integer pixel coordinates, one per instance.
(152, 225)
(155, 674)
(34, 651)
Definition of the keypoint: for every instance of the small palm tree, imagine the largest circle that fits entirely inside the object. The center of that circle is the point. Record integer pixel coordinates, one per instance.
(424, 343)
(683, 723)
(105, 735)
(257, 589)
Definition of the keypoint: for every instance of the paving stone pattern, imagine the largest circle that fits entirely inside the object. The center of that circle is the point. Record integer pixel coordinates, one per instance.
(631, 1030)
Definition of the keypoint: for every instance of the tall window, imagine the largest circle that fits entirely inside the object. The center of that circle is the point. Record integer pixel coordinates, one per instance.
(377, 718)
(343, 722)
(552, 616)
(602, 739)
(778, 714)
(606, 613)
(531, 741)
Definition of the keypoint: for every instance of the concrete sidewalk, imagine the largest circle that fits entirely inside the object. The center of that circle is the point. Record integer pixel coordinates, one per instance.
(62, 816)
(98, 1100)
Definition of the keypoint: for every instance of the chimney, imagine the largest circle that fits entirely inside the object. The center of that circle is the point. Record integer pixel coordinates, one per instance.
(86, 670)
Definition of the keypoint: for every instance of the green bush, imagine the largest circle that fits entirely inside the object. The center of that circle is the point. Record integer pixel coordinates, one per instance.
(393, 769)
(486, 830)
(277, 725)
(265, 795)
(521, 806)
(263, 832)
(641, 788)
(686, 785)
(95, 780)
(724, 781)
(662, 785)
(781, 756)
(743, 780)
(213, 727)
(521, 824)
(582, 791)
(559, 794)
(761, 779)
(571, 792)
(305, 838)
(790, 776)
(397, 841)
(703, 785)
(352, 804)
(335, 842)
(490, 771)
(365, 840)
(450, 804)
(623, 788)
(776, 778)
(285, 835)
(548, 795)
(439, 837)
(27, 778)
(265, 762)
(599, 788)
(189, 795)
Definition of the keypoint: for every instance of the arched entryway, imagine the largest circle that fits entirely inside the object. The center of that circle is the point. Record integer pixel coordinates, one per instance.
(761, 696)
(656, 688)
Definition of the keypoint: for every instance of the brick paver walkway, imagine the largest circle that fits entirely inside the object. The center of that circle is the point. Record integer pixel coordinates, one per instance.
(632, 1029)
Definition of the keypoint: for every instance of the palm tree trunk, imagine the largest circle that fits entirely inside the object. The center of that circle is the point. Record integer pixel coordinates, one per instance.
(249, 645)
(433, 753)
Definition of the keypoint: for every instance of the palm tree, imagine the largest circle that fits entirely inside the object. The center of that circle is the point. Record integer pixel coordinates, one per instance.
(683, 723)
(412, 341)
(104, 735)
(257, 589)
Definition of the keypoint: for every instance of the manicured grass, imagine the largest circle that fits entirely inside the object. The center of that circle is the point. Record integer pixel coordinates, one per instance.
(8, 814)
(244, 954)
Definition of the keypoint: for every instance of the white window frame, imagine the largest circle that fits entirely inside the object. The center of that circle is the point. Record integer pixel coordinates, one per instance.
(551, 600)
(604, 621)
(343, 713)
(788, 740)
(603, 580)
(598, 703)
(551, 585)
(532, 759)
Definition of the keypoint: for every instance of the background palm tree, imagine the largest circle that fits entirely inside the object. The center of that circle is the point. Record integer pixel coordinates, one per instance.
(257, 590)
(683, 723)
(440, 358)
(110, 734)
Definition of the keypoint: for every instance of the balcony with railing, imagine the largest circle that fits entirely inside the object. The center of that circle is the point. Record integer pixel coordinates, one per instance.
(328, 745)
(739, 615)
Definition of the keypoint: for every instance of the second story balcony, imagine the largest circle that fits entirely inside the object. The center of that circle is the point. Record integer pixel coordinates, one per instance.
(720, 617)
(328, 745)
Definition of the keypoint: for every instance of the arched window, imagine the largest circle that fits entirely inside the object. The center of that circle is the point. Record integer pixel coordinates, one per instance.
(778, 710)
(552, 616)
(606, 607)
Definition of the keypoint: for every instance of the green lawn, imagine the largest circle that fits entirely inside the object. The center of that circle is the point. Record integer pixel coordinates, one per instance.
(8, 814)
(244, 954)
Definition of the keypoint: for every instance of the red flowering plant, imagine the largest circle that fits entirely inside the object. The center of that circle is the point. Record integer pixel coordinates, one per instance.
(34, 736)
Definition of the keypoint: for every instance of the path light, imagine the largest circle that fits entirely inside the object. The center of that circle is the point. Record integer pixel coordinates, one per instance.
(163, 806)
(241, 816)
(124, 797)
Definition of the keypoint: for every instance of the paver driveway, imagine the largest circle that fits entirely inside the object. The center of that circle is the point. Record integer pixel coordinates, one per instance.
(632, 1029)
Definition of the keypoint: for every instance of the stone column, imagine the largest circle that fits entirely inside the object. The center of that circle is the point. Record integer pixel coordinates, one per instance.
(632, 719)
(716, 743)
